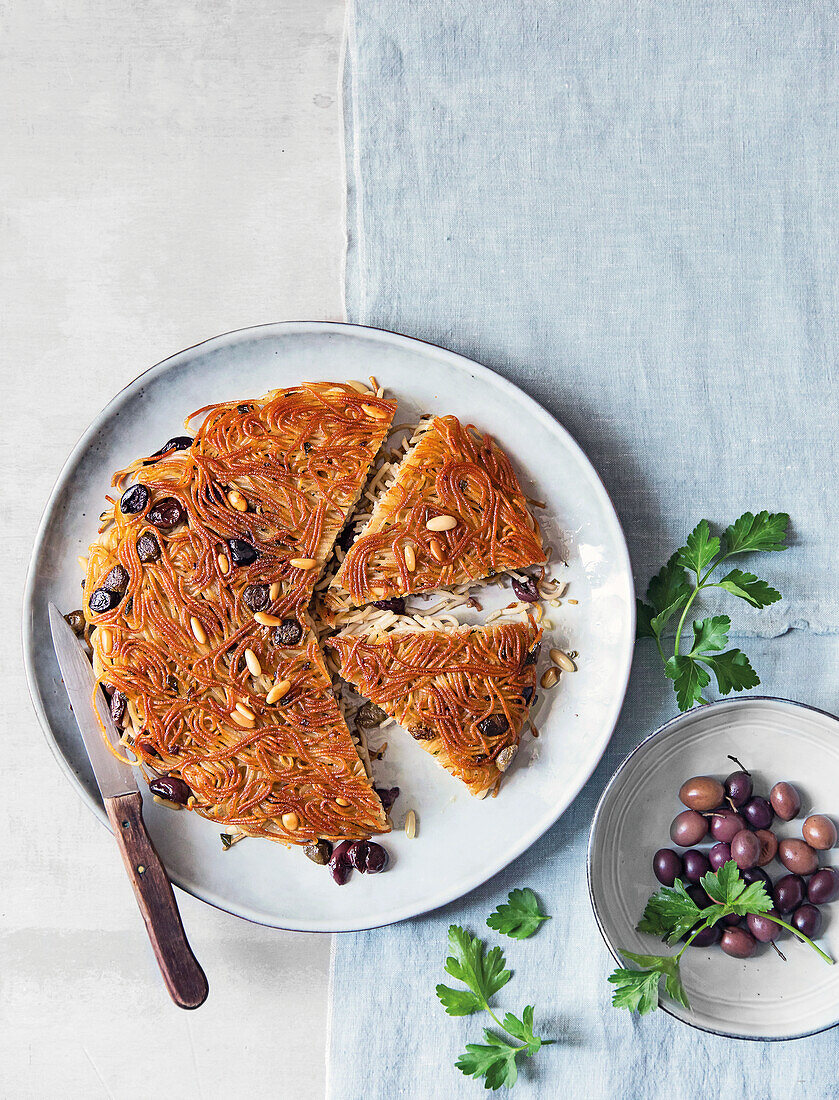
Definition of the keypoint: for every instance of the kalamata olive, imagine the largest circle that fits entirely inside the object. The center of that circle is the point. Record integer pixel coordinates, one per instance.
(731, 920)
(171, 788)
(763, 930)
(176, 443)
(166, 514)
(75, 620)
(745, 849)
(319, 852)
(396, 605)
(256, 597)
(667, 866)
(367, 857)
(494, 725)
(738, 788)
(768, 846)
(738, 942)
(118, 704)
(525, 589)
(533, 655)
(688, 828)
(134, 499)
(527, 695)
(289, 632)
(755, 874)
(116, 580)
(707, 936)
(242, 552)
(726, 824)
(785, 800)
(807, 919)
(719, 854)
(339, 864)
(148, 548)
(797, 856)
(696, 865)
(789, 893)
(102, 600)
(819, 832)
(698, 896)
(823, 886)
(758, 813)
(387, 796)
(368, 716)
(703, 792)
(346, 538)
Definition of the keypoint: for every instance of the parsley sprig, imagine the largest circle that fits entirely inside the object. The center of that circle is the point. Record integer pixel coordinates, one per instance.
(484, 973)
(519, 917)
(675, 588)
(672, 914)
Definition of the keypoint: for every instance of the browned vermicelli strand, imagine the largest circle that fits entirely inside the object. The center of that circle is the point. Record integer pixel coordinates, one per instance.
(452, 471)
(175, 643)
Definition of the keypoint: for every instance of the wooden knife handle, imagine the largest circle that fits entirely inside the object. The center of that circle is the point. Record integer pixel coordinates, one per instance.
(184, 978)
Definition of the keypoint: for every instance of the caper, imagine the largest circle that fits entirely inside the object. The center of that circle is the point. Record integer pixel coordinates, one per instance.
(75, 620)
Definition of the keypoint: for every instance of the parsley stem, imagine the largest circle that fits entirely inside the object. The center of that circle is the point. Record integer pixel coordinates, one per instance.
(700, 584)
(800, 935)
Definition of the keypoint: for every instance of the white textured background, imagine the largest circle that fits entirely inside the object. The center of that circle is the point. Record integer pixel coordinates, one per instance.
(170, 169)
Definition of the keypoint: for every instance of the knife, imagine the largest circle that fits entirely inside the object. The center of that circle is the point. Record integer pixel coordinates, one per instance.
(181, 972)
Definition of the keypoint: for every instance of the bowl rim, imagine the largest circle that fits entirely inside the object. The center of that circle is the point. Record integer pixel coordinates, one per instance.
(717, 704)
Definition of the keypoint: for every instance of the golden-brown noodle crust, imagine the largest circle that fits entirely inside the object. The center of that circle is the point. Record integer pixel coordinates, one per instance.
(451, 691)
(299, 459)
(451, 471)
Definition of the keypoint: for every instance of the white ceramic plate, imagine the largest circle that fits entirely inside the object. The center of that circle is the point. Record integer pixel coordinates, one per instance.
(758, 998)
(461, 841)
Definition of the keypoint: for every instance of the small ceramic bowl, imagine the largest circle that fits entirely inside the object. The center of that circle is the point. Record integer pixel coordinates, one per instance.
(758, 998)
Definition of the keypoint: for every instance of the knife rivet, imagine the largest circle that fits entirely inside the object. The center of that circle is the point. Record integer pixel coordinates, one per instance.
(140, 869)
(125, 824)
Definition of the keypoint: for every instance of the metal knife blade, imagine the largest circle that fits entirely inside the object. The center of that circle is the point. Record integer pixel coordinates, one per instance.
(114, 777)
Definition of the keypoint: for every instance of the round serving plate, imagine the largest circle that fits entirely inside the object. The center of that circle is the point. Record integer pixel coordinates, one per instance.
(758, 998)
(461, 841)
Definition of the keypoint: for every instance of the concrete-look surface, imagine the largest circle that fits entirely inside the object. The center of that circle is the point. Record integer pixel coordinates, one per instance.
(169, 171)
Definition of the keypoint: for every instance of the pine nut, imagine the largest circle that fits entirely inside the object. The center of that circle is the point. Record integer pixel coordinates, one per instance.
(198, 631)
(82, 564)
(252, 661)
(359, 387)
(241, 720)
(237, 501)
(437, 551)
(410, 824)
(248, 713)
(278, 691)
(559, 657)
(574, 602)
(224, 564)
(410, 559)
(549, 678)
(376, 412)
(274, 591)
(264, 619)
(290, 822)
(341, 802)
(441, 523)
(106, 640)
(302, 563)
(505, 757)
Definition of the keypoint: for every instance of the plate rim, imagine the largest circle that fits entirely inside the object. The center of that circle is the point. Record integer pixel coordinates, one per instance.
(717, 704)
(385, 336)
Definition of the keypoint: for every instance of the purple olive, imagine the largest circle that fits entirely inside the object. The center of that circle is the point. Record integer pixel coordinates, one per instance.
(388, 795)
(667, 866)
(696, 865)
(726, 824)
(134, 499)
(719, 854)
(755, 874)
(148, 548)
(808, 920)
(763, 930)
(339, 864)
(171, 788)
(396, 604)
(738, 943)
(818, 830)
(823, 886)
(745, 850)
(703, 792)
(768, 846)
(785, 800)
(789, 893)
(732, 920)
(707, 936)
(687, 828)
(758, 812)
(798, 857)
(698, 896)
(102, 600)
(738, 788)
(525, 589)
(166, 514)
(242, 552)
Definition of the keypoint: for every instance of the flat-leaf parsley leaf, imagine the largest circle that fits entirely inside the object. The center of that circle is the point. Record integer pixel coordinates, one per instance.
(519, 916)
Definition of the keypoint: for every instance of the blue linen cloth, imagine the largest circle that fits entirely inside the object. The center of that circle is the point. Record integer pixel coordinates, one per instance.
(630, 210)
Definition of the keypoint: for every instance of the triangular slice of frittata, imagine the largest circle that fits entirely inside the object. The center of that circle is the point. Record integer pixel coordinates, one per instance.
(463, 695)
(455, 514)
(195, 595)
